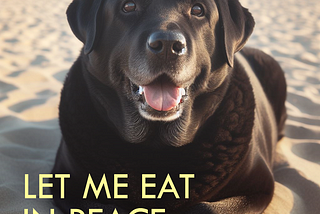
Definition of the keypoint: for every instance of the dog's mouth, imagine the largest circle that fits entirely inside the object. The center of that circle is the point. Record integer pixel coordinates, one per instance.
(160, 100)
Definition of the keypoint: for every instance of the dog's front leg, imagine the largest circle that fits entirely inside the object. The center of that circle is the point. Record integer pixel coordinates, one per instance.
(241, 204)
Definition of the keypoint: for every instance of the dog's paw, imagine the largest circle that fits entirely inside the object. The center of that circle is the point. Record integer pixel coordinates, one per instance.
(203, 208)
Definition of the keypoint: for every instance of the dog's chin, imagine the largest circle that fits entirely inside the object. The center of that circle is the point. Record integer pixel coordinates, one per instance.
(166, 116)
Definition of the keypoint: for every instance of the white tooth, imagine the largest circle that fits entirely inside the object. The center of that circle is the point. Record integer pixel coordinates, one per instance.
(141, 90)
(182, 92)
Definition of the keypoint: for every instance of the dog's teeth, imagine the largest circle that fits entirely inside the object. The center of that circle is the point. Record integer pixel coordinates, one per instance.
(182, 91)
(141, 90)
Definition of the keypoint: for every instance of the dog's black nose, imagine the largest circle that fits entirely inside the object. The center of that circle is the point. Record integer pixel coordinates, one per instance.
(169, 42)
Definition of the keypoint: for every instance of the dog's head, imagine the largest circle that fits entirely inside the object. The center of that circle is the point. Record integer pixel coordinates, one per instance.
(166, 63)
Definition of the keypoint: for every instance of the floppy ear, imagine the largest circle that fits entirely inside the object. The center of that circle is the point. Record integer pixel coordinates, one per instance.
(83, 20)
(237, 25)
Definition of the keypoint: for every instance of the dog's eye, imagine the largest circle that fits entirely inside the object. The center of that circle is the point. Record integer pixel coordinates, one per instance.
(129, 7)
(197, 10)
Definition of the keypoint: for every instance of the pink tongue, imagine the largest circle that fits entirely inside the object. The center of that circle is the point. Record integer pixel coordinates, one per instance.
(162, 95)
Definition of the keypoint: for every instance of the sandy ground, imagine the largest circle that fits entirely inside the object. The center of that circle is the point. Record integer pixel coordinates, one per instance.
(37, 49)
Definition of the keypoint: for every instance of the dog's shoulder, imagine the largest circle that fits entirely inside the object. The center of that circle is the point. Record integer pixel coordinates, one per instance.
(272, 80)
(267, 70)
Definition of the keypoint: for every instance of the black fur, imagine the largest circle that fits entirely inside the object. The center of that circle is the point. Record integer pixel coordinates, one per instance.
(215, 137)
(272, 81)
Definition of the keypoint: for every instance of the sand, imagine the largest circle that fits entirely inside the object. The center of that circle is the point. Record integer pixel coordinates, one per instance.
(37, 48)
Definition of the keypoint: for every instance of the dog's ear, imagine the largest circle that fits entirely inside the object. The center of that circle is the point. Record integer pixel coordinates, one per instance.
(237, 25)
(83, 17)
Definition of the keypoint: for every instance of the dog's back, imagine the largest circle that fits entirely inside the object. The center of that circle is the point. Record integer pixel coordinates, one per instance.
(272, 79)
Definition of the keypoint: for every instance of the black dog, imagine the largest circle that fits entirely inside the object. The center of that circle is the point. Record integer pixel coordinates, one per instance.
(158, 89)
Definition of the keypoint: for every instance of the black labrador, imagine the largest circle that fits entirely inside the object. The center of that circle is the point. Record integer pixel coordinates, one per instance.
(158, 89)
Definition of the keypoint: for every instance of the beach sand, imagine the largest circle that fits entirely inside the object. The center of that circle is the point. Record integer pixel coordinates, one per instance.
(37, 48)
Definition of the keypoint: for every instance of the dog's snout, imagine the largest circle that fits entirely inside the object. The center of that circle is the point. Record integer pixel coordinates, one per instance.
(167, 43)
